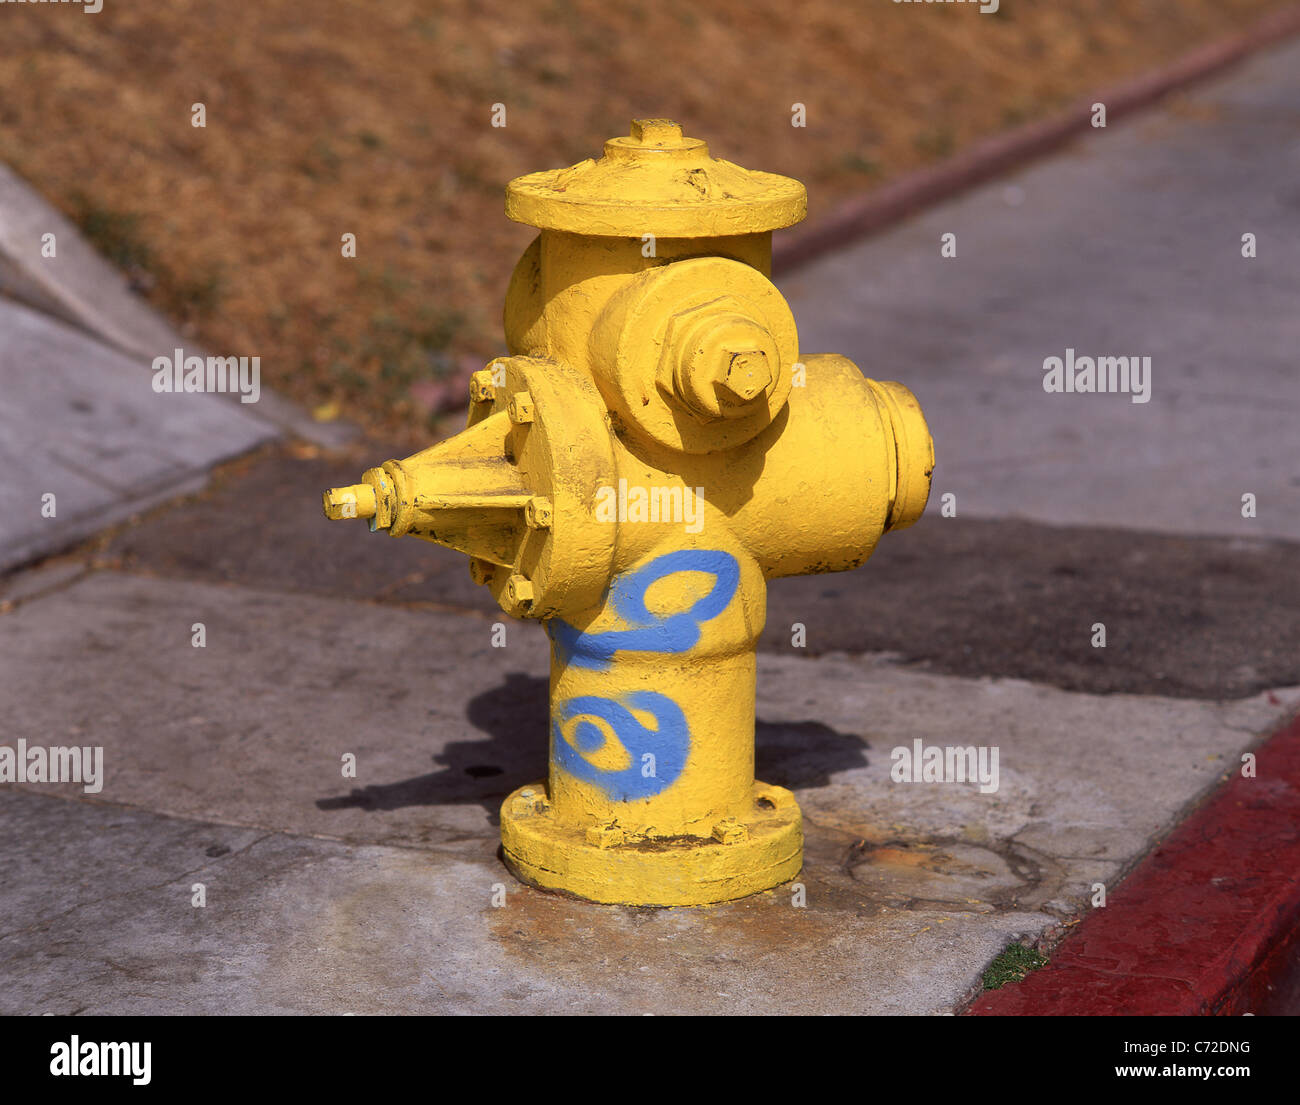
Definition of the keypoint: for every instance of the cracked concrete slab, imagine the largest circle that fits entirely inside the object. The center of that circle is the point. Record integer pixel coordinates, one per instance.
(913, 886)
(1127, 243)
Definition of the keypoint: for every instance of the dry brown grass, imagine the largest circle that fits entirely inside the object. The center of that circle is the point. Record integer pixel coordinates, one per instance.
(374, 118)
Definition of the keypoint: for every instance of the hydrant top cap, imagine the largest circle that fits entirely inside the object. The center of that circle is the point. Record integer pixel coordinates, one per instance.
(656, 181)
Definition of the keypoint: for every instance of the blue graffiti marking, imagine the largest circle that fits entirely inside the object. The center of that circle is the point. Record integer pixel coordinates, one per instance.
(669, 742)
(648, 632)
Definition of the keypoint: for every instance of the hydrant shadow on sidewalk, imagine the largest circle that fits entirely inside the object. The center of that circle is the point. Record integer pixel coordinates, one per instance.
(796, 754)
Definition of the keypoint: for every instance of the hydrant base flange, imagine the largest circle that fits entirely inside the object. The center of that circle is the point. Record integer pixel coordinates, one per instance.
(599, 865)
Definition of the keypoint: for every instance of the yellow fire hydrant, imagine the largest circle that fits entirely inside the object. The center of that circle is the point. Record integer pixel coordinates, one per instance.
(651, 452)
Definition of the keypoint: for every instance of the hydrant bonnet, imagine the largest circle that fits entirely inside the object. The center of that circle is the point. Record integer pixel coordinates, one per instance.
(656, 181)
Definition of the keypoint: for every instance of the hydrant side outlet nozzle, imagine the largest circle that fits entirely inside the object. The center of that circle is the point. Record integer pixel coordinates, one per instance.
(653, 449)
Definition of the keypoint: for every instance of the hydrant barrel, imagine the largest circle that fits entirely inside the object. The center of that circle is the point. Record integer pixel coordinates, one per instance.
(653, 449)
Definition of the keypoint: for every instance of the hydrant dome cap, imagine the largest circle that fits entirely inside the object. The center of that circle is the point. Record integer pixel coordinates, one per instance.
(656, 181)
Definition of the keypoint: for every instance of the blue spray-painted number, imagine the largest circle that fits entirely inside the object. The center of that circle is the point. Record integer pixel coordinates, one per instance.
(657, 755)
(647, 632)
(668, 742)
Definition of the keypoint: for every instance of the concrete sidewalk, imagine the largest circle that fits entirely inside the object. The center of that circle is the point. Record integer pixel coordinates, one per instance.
(376, 894)
(1130, 244)
(79, 419)
(222, 767)
(80, 422)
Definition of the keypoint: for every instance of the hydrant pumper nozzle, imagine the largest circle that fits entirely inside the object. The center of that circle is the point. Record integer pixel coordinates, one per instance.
(651, 452)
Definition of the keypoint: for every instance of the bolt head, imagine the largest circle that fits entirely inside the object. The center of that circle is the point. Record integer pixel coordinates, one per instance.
(730, 831)
(538, 513)
(605, 836)
(519, 590)
(521, 408)
(527, 802)
(480, 386)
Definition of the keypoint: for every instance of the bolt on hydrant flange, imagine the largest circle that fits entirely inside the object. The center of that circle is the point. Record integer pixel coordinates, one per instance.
(651, 452)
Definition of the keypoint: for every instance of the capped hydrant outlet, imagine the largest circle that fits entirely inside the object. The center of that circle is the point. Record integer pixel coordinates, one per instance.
(653, 449)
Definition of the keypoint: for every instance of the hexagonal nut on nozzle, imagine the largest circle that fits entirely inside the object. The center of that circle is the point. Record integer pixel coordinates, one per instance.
(748, 375)
(356, 501)
(725, 363)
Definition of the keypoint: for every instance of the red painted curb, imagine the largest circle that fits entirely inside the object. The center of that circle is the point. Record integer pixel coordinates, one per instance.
(866, 214)
(1209, 923)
